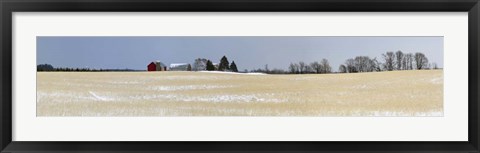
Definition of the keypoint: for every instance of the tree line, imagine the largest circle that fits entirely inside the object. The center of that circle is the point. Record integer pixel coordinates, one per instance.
(391, 61)
(318, 67)
(315, 67)
(48, 67)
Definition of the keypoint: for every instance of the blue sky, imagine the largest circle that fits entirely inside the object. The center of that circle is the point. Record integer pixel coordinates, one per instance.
(248, 52)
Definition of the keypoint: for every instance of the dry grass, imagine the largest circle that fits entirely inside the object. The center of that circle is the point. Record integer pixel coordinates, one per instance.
(398, 93)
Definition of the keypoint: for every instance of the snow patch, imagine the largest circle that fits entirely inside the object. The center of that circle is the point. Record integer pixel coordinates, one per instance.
(381, 113)
(211, 98)
(363, 86)
(101, 98)
(126, 82)
(221, 72)
(437, 80)
(192, 77)
(301, 78)
(227, 98)
(188, 87)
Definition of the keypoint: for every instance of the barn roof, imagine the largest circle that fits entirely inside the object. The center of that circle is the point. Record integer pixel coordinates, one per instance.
(178, 64)
(161, 64)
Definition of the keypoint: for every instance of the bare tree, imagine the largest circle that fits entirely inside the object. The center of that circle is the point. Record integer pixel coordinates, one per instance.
(399, 57)
(342, 69)
(317, 67)
(389, 58)
(297, 68)
(350, 64)
(421, 61)
(326, 68)
(361, 63)
(408, 61)
(309, 69)
(292, 68)
(371, 65)
(302, 67)
(365, 64)
(376, 65)
(200, 64)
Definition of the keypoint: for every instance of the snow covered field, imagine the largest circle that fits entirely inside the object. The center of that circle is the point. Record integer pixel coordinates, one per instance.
(397, 93)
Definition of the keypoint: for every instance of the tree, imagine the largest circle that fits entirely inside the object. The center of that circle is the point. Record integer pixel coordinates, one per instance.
(308, 69)
(421, 61)
(200, 64)
(408, 61)
(350, 65)
(342, 69)
(224, 64)
(317, 67)
(399, 57)
(210, 66)
(361, 63)
(435, 66)
(297, 68)
(365, 64)
(189, 67)
(301, 67)
(233, 67)
(45, 67)
(389, 58)
(326, 68)
(292, 68)
(376, 64)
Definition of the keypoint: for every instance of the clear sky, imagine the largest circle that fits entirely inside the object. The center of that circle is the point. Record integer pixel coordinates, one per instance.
(248, 52)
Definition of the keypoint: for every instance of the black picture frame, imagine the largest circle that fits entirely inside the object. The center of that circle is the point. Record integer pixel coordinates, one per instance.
(9, 6)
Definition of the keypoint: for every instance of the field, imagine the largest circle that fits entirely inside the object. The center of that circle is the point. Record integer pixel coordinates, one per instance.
(396, 93)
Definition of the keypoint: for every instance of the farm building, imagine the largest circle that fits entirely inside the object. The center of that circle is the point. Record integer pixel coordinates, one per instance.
(160, 66)
(180, 67)
(151, 67)
(156, 66)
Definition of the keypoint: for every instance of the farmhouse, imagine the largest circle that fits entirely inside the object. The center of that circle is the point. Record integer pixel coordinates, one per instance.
(180, 67)
(156, 66)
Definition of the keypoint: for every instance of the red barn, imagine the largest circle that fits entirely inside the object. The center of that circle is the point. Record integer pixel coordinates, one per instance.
(152, 67)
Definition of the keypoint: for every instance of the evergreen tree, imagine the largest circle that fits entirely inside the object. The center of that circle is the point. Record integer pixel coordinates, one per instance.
(224, 64)
(210, 66)
(233, 67)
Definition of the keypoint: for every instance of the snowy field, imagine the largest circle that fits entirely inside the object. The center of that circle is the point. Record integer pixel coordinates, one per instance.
(397, 93)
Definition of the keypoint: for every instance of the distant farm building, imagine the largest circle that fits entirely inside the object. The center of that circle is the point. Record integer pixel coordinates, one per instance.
(151, 67)
(180, 67)
(156, 66)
